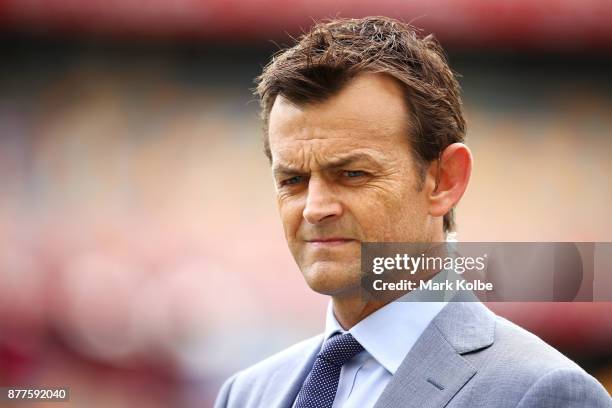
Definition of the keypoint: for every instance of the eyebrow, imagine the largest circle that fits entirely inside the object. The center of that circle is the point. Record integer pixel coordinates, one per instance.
(342, 161)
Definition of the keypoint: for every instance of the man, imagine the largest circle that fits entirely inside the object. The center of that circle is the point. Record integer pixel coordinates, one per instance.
(364, 130)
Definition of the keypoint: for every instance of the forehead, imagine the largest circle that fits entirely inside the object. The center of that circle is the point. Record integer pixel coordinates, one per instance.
(368, 113)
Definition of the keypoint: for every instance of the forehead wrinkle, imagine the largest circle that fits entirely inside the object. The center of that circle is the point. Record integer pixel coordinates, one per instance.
(331, 161)
(321, 121)
(346, 128)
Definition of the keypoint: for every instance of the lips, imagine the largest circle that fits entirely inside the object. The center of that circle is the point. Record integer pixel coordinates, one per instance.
(331, 241)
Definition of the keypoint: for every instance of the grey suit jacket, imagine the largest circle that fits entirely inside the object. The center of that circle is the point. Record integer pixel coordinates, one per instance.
(467, 357)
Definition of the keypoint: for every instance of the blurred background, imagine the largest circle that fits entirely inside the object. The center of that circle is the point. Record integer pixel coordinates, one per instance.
(139, 239)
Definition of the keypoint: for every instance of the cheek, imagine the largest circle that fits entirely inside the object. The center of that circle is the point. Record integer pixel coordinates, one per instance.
(411, 217)
(290, 211)
(392, 212)
(370, 208)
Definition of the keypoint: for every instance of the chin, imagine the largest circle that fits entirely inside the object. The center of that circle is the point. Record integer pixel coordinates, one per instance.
(332, 278)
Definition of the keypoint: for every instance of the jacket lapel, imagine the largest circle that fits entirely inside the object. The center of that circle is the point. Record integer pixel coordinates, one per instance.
(434, 370)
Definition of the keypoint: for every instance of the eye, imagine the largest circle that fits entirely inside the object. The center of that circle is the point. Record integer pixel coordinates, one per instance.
(291, 181)
(354, 173)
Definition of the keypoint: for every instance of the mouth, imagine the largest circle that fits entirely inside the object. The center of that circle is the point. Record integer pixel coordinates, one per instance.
(332, 241)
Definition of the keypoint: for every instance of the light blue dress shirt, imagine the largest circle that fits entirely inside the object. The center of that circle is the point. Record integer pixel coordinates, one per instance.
(387, 336)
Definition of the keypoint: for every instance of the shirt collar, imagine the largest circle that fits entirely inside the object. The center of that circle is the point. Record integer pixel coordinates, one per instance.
(389, 333)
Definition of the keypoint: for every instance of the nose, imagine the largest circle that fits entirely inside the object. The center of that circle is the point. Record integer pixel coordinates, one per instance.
(321, 202)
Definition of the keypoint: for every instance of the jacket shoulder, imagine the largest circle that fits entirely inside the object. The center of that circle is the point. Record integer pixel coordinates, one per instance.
(289, 356)
(530, 354)
(566, 387)
(521, 368)
(246, 387)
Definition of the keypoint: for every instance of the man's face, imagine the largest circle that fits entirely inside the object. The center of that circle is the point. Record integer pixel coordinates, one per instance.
(344, 174)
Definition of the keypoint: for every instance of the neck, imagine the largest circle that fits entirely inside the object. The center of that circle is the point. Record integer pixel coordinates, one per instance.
(351, 310)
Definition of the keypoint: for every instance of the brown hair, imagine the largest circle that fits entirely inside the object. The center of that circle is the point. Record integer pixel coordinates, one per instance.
(333, 52)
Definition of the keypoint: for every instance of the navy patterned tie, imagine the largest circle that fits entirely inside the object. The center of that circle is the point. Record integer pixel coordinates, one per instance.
(319, 388)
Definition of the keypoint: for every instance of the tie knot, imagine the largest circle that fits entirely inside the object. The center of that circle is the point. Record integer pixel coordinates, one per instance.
(339, 349)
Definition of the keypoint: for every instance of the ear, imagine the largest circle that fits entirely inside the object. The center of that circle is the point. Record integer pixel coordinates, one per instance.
(451, 175)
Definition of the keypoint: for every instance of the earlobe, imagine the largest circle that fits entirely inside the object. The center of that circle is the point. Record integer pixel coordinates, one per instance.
(451, 177)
